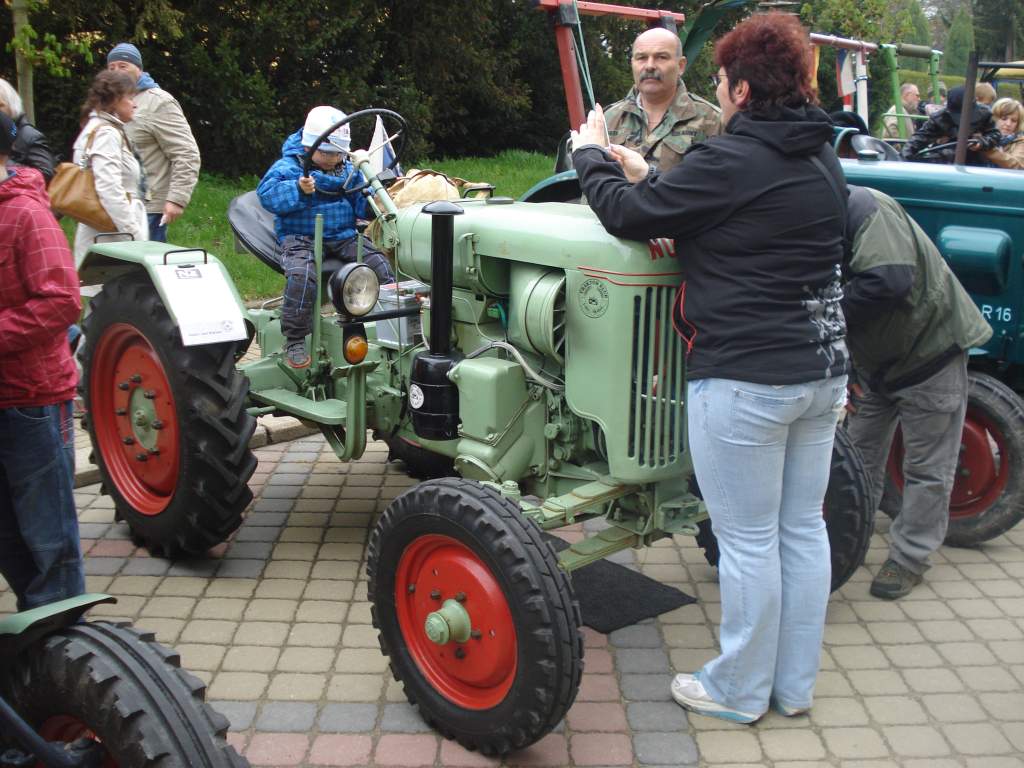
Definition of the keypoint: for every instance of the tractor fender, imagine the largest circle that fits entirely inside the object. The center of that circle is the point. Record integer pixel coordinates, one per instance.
(20, 630)
(106, 261)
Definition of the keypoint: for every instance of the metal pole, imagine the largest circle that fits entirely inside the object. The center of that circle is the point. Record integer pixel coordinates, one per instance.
(967, 111)
(318, 261)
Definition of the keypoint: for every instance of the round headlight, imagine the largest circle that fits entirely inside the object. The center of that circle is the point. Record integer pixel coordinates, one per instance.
(354, 289)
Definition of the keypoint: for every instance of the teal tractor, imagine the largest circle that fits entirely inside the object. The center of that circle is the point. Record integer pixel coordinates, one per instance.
(536, 381)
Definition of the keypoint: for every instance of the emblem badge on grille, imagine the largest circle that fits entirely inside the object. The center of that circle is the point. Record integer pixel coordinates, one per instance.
(593, 297)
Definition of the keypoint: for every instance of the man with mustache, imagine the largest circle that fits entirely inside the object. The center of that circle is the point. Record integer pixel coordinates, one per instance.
(659, 118)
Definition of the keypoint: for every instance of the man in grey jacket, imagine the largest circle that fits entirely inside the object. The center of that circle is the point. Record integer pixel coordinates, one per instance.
(163, 140)
(909, 326)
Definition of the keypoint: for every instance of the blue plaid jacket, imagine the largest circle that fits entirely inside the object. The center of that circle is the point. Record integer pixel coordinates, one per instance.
(296, 212)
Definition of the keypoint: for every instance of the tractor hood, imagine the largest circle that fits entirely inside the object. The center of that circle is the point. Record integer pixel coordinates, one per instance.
(492, 234)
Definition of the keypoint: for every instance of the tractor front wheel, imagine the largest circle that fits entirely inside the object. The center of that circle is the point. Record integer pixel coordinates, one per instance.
(475, 614)
(988, 488)
(849, 515)
(168, 424)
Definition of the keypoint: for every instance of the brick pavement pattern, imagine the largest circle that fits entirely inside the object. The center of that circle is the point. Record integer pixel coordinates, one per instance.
(276, 622)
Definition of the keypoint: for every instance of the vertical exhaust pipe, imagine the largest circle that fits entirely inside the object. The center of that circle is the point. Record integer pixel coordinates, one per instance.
(434, 399)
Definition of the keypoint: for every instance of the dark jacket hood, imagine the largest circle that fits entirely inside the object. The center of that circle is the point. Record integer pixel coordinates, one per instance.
(27, 182)
(792, 131)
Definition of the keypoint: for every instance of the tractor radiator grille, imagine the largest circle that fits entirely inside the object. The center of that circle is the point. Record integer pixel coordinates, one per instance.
(657, 381)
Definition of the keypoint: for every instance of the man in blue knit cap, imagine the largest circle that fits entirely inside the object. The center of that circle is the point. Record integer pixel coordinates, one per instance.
(164, 141)
(296, 199)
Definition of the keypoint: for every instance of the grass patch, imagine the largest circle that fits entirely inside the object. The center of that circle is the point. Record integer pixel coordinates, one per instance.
(205, 222)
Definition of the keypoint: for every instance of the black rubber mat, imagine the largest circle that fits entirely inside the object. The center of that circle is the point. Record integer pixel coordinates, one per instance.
(612, 596)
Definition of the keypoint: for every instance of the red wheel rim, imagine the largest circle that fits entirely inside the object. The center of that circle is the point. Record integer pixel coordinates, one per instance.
(68, 729)
(982, 470)
(479, 673)
(134, 418)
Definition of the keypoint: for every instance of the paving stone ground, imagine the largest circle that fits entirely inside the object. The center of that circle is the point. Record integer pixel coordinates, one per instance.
(276, 621)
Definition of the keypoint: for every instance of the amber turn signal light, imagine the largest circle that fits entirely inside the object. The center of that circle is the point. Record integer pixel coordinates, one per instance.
(355, 349)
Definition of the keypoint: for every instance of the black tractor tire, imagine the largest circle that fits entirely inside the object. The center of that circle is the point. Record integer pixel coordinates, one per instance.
(118, 685)
(994, 422)
(849, 516)
(526, 620)
(180, 481)
(419, 462)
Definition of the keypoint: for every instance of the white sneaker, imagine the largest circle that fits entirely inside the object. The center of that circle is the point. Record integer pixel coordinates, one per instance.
(787, 711)
(689, 693)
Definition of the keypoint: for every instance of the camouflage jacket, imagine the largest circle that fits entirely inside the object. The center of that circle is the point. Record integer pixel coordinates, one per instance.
(688, 120)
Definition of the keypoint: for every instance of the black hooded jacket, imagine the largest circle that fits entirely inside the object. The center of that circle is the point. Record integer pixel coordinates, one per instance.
(30, 149)
(943, 127)
(759, 235)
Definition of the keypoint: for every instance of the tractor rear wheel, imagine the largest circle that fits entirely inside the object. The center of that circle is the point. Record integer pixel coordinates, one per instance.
(849, 515)
(116, 686)
(988, 489)
(479, 621)
(168, 424)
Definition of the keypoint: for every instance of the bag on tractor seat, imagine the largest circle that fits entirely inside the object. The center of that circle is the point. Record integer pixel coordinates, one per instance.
(73, 193)
(425, 186)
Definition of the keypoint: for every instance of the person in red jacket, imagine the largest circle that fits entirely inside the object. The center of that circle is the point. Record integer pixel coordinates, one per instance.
(40, 555)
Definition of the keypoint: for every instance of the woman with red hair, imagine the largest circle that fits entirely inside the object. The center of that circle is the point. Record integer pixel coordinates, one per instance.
(760, 211)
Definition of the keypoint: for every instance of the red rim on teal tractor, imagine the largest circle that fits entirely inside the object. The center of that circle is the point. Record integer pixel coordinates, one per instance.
(456, 622)
(982, 471)
(68, 729)
(134, 419)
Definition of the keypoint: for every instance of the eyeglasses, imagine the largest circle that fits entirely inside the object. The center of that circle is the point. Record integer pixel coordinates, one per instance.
(716, 79)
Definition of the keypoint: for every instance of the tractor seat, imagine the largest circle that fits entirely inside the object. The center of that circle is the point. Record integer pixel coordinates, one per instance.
(860, 142)
(253, 226)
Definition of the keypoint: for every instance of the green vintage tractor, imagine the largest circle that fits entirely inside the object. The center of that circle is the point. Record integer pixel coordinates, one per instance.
(545, 388)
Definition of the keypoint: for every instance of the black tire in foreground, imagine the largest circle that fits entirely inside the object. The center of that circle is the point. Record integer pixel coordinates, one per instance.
(988, 489)
(478, 620)
(117, 685)
(849, 515)
(169, 429)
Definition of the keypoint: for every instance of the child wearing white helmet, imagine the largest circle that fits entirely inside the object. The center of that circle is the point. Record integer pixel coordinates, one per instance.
(296, 199)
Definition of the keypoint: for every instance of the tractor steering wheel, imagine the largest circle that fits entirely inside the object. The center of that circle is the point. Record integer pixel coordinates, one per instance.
(398, 144)
(925, 153)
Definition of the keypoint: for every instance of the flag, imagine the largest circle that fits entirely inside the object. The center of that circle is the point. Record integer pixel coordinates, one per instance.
(382, 152)
(845, 82)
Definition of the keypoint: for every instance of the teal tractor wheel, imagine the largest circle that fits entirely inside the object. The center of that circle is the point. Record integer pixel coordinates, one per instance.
(169, 429)
(849, 514)
(988, 489)
(116, 686)
(478, 620)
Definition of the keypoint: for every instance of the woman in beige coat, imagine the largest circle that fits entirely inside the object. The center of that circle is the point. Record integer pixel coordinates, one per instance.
(116, 171)
(1009, 117)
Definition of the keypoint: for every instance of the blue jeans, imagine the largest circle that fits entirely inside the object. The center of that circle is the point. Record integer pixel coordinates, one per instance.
(40, 554)
(157, 232)
(762, 455)
(301, 289)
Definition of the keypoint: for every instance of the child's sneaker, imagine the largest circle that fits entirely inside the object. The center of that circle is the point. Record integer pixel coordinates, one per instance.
(296, 355)
(689, 692)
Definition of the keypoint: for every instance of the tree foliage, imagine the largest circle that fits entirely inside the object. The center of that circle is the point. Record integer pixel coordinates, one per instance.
(959, 43)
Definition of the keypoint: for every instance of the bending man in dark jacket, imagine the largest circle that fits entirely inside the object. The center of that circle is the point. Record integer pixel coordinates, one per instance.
(943, 127)
(910, 324)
